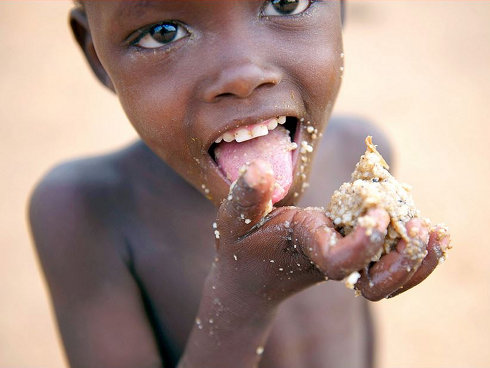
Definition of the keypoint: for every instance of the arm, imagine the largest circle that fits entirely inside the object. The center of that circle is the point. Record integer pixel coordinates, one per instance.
(231, 328)
(99, 310)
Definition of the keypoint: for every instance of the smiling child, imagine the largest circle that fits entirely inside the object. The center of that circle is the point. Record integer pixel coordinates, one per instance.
(153, 258)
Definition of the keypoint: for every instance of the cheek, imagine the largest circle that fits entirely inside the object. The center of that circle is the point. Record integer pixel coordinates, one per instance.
(325, 78)
(326, 70)
(155, 109)
(317, 65)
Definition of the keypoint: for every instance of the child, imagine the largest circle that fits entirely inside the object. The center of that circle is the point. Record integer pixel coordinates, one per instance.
(138, 274)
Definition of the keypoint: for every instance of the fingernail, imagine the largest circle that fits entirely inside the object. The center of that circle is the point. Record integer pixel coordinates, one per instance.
(413, 232)
(268, 208)
(419, 231)
(375, 219)
(442, 233)
(254, 173)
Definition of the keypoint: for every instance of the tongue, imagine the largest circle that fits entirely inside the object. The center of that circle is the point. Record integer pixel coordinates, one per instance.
(275, 148)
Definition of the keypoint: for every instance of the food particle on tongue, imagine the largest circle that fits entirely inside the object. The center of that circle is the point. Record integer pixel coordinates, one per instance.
(275, 148)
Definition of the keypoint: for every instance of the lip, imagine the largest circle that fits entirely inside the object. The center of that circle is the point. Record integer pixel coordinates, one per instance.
(243, 122)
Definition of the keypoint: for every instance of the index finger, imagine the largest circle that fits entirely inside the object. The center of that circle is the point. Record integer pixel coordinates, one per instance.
(248, 201)
(339, 256)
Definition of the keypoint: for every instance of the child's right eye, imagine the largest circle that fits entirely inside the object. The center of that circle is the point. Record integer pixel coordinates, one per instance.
(161, 34)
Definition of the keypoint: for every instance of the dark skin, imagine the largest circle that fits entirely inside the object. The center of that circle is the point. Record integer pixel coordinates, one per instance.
(136, 276)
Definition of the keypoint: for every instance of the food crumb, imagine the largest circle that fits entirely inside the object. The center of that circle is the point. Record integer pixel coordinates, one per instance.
(413, 232)
(248, 221)
(259, 350)
(198, 323)
(268, 208)
(216, 234)
(305, 147)
(236, 258)
(351, 280)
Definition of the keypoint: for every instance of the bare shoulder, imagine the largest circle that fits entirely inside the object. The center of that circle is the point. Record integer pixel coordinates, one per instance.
(338, 152)
(76, 194)
(347, 133)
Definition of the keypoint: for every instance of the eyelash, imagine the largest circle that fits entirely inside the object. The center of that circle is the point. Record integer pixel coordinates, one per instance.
(269, 6)
(147, 33)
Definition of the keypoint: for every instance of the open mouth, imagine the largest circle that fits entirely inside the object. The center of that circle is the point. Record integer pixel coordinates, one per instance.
(272, 140)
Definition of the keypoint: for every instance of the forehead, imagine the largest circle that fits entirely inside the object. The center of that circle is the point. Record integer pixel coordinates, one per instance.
(126, 8)
(121, 9)
(133, 8)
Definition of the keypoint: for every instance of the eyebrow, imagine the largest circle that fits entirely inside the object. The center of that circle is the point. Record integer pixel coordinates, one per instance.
(137, 8)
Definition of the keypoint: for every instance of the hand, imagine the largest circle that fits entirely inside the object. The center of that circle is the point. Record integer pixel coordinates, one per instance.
(400, 270)
(290, 249)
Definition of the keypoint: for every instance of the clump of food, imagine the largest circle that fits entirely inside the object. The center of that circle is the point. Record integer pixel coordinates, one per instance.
(372, 185)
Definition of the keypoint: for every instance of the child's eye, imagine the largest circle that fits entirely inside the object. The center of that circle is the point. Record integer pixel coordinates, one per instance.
(160, 34)
(285, 7)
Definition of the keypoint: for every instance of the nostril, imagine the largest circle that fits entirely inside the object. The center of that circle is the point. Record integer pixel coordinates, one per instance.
(226, 94)
(244, 92)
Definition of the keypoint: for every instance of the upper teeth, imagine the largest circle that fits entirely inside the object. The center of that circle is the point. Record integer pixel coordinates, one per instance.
(251, 131)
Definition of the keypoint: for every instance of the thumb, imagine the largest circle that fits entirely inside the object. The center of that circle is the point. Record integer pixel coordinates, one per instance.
(249, 200)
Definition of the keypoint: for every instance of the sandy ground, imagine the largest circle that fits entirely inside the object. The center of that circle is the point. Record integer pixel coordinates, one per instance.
(418, 69)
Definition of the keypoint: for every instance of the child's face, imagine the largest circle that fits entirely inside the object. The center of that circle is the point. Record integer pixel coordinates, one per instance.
(187, 71)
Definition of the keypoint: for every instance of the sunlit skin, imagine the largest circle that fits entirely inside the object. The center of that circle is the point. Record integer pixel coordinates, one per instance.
(138, 275)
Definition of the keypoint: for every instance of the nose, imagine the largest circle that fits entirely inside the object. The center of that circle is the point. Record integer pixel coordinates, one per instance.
(240, 80)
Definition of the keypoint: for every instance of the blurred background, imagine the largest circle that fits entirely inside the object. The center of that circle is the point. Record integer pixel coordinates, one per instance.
(420, 70)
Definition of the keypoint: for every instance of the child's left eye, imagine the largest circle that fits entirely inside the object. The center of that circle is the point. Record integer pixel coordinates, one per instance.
(160, 34)
(285, 7)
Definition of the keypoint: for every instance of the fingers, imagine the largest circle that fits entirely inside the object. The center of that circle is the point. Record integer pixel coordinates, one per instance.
(337, 257)
(248, 201)
(438, 243)
(396, 268)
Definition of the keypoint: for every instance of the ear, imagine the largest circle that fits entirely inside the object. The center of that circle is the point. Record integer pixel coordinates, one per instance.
(80, 28)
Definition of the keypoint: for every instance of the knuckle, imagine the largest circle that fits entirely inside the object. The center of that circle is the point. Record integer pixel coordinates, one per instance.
(243, 205)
